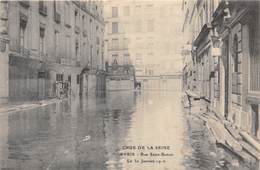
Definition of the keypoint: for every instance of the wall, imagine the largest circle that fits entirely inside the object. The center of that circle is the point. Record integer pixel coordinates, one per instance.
(119, 85)
(4, 84)
(59, 56)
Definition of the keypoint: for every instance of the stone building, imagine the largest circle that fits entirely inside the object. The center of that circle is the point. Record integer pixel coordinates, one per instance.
(49, 42)
(224, 50)
(120, 77)
(135, 34)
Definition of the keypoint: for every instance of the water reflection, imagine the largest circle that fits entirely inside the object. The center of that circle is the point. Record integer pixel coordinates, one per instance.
(89, 133)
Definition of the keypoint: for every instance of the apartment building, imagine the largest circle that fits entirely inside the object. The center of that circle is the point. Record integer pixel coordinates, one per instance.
(49, 42)
(223, 58)
(135, 34)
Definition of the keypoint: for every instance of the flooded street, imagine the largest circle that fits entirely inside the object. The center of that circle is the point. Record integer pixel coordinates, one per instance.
(96, 133)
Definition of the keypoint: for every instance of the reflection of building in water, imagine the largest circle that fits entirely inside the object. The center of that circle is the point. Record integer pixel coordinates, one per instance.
(117, 122)
(53, 137)
(4, 141)
(27, 129)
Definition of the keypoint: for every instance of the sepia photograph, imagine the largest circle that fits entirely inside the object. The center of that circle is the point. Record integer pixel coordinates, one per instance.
(130, 85)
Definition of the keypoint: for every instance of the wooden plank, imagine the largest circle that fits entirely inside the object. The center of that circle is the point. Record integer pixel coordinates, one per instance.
(224, 136)
(250, 140)
(233, 132)
(250, 150)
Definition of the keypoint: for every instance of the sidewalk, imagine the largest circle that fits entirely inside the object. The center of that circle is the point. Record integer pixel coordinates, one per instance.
(18, 106)
(226, 136)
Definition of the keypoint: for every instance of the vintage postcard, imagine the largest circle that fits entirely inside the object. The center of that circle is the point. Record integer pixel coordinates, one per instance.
(130, 85)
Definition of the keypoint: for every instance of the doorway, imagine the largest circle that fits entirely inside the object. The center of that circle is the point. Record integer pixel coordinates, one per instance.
(254, 119)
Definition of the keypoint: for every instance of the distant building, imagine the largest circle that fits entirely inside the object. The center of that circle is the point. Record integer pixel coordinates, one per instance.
(120, 77)
(50, 41)
(135, 33)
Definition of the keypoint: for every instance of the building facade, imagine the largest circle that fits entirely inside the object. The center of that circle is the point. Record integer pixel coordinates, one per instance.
(120, 77)
(50, 42)
(223, 57)
(135, 34)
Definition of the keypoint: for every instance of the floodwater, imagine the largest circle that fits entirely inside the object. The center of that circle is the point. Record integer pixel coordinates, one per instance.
(128, 130)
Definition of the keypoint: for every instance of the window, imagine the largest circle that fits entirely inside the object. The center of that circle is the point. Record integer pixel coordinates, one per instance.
(114, 58)
(114, 12)
(83, 22)
(163, 11)
(150, 45)
(84, 50)
(115, 44)
(97, 40)
(54, 7)
(56, 42)
(76, 18)
(126, 58)
(138, 6)
(150, 25)
(78, 79)
(23, 23)
(69, 78)
(150, 54)
(126, 10)
(67, 14)
(114, 27)
(201, 20)
(138, 26)
(90, 26)
(42, 41)
(22, 32)
(254, 119)
(59, 77)
(149, 5)
(138, 59)
(235, 54)
(68, 46)
(77, 49)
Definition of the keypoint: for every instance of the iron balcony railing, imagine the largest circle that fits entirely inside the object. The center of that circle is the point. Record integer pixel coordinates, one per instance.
(24, 52)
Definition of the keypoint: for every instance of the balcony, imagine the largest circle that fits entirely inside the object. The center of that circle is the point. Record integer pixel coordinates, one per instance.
(42, 9)
(57, 17)
(85, 33)
(78, 63)
(62, 60)
(77, 30)
(25, 4)
(24, 52)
